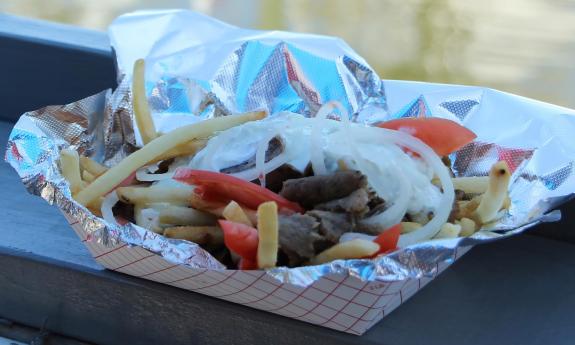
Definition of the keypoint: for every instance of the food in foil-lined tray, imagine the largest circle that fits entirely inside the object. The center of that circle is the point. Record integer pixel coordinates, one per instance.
(288, 190)
(285, 155)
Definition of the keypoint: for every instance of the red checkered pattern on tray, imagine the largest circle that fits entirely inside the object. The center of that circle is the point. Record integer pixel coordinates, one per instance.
(342, 303)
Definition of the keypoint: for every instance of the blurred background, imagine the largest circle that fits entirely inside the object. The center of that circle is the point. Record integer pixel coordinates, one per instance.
(525, 47)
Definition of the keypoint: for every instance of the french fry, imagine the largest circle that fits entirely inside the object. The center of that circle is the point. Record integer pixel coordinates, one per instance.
(181, 215)
(506, 202)
(187, 149)
(234, 213)
(178, 195)
(467, 208)
(354, 249)
(70, 166)
(268, 229)
(468, 227)
(87, 176)
(493, 199)
(407, 227)
(342, 165)
(115, 175)
(91, 166)
(471, 185)
(217, 209)
(142, 113)
(202, 235)
(448, 230)
(96, 206)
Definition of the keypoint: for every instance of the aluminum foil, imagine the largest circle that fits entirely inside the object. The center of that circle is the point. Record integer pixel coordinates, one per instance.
(198, 68)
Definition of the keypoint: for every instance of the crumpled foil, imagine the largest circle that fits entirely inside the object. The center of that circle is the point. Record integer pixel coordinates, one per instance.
(198, 68)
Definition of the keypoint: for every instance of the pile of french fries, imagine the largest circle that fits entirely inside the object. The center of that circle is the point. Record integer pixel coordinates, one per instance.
(168, 209)
(485, 201)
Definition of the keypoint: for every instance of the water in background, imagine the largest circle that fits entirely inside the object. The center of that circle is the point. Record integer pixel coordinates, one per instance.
(521, 46)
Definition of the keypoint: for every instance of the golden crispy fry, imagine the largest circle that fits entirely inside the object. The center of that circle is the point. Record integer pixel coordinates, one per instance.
(181, 215)
(70, 166)
(202, 235)
(177, 195)
(198, 203)
(471, 185)
(407, 227)
(87, 176)
(234, 213)
(468, 227)
(467, 208)
(449, 230)
(96, 206)
(342, 165)
(493, 199)
(354, 249)
(506, 202)
(268, 229)
(91, 166)
(217, 209)
(142, 113)
(156, 148)
(187, 149)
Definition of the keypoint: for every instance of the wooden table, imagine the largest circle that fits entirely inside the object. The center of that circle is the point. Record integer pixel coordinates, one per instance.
(515, 291)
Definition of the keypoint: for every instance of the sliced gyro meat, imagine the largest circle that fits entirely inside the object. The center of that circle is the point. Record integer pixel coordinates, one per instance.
(313, 190)
(332, 225)
(276, 178)
(355, 203)
(297, 235)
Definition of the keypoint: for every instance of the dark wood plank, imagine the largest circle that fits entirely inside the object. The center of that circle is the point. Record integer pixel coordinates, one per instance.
(18, 228)
(562, 231)
(521, 289)
(49, 64)
(28, 335)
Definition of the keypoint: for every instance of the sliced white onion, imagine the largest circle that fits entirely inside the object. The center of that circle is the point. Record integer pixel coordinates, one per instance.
(143, 175)
(317, 156)
(350, 236)
(253, 174)
(107, 204)
(262, 168)
(394, 214)
(261, 157)
(430, 157)
(150, 219)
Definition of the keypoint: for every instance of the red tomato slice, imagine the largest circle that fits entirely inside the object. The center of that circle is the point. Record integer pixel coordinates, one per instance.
(442, 135)
(224, 187)
(240, 239)
(246, 264)
(387, 240)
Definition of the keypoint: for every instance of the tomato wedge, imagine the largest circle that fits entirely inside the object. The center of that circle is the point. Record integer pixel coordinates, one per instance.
(387, 240)
(214, 186)
(240, 239)
(248, 264)
(442, 135)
